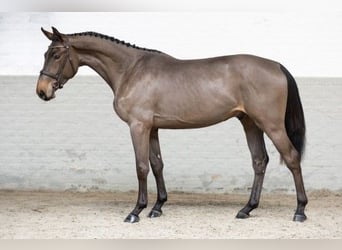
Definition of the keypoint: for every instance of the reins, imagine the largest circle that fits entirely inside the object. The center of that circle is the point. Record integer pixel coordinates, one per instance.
(59, 75)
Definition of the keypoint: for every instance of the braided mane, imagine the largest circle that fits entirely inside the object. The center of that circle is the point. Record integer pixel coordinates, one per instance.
(115, 40)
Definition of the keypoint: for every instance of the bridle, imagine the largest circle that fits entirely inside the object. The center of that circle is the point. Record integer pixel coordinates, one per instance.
(59, 75)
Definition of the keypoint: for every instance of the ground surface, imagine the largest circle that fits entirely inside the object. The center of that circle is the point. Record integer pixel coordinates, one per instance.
(101, 214)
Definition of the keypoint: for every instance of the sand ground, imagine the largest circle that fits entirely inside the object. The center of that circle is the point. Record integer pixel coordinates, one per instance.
(99, 215)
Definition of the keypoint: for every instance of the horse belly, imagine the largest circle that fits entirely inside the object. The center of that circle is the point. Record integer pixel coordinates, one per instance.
(174, 122)
(189, 112)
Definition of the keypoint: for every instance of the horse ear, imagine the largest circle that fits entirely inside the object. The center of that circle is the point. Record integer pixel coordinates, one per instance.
(48, 34)
(57, 36)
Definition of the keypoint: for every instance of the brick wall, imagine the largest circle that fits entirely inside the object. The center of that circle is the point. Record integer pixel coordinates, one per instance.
(77, 142)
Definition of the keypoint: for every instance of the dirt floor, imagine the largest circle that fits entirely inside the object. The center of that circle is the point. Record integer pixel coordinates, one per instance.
(100, 215)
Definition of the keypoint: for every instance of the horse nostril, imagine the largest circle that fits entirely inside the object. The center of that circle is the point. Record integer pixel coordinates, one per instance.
(42, 95)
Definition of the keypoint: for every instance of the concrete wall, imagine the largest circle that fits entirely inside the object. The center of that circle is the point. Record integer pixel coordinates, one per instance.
(77, 142)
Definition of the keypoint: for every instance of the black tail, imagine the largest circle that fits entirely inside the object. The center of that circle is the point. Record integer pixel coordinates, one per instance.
(294, 116)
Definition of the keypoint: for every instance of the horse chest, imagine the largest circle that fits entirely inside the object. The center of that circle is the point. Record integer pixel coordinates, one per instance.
(121, 108)
(129, 109)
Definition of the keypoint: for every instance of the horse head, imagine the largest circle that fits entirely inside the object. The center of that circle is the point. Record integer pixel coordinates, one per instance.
(61, 64)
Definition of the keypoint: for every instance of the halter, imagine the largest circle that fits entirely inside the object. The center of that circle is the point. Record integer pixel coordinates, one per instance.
(59, 75)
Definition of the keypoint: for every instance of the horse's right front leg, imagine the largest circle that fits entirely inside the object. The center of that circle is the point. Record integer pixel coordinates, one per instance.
(140, 137)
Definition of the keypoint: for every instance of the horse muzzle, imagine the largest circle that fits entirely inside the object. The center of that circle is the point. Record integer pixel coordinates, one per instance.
(45, 90)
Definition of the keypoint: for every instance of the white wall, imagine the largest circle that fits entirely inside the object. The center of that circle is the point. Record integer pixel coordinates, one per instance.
(77, 142)
(308, 43)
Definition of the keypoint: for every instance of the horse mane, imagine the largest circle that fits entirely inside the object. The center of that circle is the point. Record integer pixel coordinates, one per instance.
(113, 39)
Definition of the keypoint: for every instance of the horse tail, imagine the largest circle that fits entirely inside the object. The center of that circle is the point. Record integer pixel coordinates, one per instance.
(294, 116)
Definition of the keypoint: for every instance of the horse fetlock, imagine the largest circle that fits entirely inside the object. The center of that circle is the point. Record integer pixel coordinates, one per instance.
(142, 205)
(302, 202)
(162, 199)
(252, 205)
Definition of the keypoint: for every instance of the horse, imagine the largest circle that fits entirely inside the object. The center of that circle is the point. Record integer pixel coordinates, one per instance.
(153, 90)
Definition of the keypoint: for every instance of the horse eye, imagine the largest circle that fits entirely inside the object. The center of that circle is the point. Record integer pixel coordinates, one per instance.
(56, 56)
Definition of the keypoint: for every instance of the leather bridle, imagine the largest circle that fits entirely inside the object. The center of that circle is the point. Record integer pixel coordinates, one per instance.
(58, 84)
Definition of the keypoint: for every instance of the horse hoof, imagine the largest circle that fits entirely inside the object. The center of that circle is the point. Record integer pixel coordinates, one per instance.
(299, 217)
(242, 215)
(131, 218)
(155, 213)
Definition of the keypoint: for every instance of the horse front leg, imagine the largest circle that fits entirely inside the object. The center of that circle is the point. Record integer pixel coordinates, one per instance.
(140, 134)
(157, 169)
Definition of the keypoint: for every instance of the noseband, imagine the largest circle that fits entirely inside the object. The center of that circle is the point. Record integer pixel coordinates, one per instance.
(59, 75)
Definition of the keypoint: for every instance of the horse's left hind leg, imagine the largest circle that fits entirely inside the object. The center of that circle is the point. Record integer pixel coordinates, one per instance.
(256, 145)
(157, 168)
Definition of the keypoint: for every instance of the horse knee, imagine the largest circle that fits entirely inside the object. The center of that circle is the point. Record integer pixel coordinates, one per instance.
(142, 170)
(259, 164)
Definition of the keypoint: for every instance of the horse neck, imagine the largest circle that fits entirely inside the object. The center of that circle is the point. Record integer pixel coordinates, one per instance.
(110, 60)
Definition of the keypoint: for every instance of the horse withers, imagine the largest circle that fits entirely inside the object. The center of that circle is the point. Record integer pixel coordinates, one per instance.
(156, 91)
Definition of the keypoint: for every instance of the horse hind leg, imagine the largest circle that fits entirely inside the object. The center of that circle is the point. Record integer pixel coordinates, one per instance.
(157, 169)
(256, 145)
(291, 157)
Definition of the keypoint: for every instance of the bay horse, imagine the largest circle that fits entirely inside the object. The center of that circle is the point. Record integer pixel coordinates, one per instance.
(153, 90)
